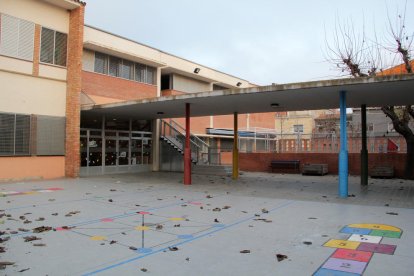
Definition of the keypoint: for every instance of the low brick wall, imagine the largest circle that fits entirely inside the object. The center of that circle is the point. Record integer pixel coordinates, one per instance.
(260, 162)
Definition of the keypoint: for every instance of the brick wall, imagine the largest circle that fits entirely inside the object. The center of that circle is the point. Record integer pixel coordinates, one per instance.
(73, 90)
(36, 50)
(259, 162)
(117, 88)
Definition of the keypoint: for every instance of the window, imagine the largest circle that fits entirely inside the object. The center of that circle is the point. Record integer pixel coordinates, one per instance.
(101, 63)
(17, 37)
(297, 128)
(140, 72)
(122, 68)
(127, 70)
(14, 134)
(115, 66)
(150, 75)
(53, 47)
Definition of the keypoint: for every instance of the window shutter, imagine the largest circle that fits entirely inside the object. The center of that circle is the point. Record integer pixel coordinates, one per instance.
(26, 40)
(7, 134)
(50, 135)
(22, 135)
(47, 45)
(60, 48)
(9, 35)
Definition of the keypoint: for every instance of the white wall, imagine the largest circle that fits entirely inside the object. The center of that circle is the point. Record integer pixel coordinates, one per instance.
(31, 95)
(184, 84)
(39, 12)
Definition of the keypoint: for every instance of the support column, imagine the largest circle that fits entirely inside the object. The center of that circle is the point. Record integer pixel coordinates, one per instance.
(364, 148)
(156, 145)
(236, 149)
(343, 154)
(187, 148)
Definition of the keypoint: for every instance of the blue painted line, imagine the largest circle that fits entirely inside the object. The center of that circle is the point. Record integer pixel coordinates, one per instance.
(183, 242)
(45, 204)
(353, 230)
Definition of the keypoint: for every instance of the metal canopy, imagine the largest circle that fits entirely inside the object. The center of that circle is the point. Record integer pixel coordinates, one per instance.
(373, 92)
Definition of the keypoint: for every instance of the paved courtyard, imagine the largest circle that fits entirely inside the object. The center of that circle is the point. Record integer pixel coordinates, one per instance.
(262, 224)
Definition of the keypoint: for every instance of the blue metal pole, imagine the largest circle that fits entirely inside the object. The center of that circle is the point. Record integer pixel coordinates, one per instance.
(343, 154)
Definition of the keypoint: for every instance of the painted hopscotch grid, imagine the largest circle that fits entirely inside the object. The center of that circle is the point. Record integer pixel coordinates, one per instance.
(29, 192)
(352, 256)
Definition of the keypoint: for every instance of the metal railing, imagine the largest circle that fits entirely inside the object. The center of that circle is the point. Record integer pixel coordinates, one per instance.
(174, 134)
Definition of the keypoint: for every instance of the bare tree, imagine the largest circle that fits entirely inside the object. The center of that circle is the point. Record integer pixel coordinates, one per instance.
(354, 54)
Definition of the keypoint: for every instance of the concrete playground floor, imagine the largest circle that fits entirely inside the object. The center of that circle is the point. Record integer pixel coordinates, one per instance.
(261, 224)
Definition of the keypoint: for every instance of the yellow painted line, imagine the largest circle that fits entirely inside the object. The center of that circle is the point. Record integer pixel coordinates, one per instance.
(31, 193)
(176, 219)
(375, 226)
(142, 228)
(342, 244)
(98, 238)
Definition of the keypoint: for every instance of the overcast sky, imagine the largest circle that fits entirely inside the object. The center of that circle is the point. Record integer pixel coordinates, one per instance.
(262, 41)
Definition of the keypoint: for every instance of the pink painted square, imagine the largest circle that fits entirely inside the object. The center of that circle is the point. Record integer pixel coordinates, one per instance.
(354, 255)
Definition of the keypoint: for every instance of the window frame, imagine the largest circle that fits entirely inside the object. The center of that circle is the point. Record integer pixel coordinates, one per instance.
(54, 48)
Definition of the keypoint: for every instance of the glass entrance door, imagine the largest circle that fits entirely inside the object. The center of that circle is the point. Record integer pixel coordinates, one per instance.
(123, 152)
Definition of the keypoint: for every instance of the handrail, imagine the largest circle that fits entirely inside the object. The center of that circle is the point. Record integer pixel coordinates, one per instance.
(176, 125)
(176, 134)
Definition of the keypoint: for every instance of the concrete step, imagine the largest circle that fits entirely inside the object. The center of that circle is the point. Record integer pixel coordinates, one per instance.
(212, 170)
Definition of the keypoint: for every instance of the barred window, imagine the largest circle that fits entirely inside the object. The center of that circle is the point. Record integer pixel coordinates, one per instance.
(140, 72)
(127, 70)
(150, 75)
(101, 63)
(53, 47)
(122, 68)
(14, 134)
(115, 66)
(16, 37)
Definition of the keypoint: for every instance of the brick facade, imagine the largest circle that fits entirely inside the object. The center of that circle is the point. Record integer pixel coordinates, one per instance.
(73, 90)
(117, 88)
(259, 162)
(36, 50)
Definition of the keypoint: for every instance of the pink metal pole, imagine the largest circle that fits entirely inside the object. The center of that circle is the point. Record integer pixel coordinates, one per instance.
(187, 148)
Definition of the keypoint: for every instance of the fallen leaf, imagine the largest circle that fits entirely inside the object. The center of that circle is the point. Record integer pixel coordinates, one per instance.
(54, 214)
(392, 213)
(110, 200)
(41, 229)
(265, 211)
(158, 227)
(245, 251)
(226, 207)
(40, 219)
(144, 269)
(31, 238)
(209, 196)
(307, 242)
(187, 259)
(6, 263)
(132, 248)
(39, 244)
(216, 209)
(23, 270)
(27, 221)
(23, 230)
(281, 257)
(112, 242)
(174, 248)
(216, 220)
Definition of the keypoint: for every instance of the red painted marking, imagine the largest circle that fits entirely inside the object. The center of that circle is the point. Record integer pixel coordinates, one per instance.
(377, 248)
(354, 255)
(107, 220)
(54, 189)
(143, 213)
(61, 229)
(196, 203)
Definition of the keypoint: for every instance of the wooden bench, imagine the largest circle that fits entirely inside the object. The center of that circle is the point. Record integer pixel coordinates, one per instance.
(285, 165)
(382, 172)
(315, 169)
